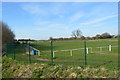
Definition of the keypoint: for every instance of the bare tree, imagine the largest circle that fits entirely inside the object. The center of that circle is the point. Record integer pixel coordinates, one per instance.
(76, 33)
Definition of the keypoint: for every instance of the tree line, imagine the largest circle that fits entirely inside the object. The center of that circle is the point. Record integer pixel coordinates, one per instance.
(8, 36)
(77, 35)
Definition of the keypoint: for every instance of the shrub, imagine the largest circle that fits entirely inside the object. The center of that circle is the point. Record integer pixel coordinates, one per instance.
(7, 35)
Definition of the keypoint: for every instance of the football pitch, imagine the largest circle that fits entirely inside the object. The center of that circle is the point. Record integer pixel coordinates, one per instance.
(98, 53)
(95, 56)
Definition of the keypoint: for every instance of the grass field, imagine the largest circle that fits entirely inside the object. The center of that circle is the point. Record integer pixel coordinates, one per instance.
(106, 58)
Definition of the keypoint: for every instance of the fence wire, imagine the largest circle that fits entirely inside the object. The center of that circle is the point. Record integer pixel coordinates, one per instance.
(64, 52)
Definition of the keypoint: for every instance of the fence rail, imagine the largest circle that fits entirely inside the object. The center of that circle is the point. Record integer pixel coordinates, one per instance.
(87, 49)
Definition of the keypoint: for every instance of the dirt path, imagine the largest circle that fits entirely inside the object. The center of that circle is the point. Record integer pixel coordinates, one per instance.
(60, 60)
(42, 59)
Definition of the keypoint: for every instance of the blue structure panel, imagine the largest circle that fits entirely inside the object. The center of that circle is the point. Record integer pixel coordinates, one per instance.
(34, 52)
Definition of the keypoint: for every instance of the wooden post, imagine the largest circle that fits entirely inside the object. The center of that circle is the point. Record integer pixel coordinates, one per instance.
(38, 52)
(110, 48)
(71, 52)
(87, 50)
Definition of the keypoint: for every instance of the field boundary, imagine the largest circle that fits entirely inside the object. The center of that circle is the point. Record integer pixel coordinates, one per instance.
(87, 49)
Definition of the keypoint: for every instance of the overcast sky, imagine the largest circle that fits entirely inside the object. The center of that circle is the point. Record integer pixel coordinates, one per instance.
(41, 20)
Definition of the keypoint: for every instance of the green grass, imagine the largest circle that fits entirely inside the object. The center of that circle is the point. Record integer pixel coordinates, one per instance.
(62, 45)
(13, 69)
(108, 59)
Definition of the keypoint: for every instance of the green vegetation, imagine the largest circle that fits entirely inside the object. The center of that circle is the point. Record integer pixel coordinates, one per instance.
(63, 45)
(7, 35)
(109, 39)
(106, 58)
(13, 69)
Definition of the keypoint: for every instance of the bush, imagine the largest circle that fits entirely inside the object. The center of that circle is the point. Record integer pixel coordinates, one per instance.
(7, 35)
(106, 35)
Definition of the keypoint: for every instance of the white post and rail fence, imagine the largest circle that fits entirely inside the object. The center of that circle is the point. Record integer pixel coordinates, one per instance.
(88, 50)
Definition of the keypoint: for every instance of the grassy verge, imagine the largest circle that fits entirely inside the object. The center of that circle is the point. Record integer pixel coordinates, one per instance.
(14, 69)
